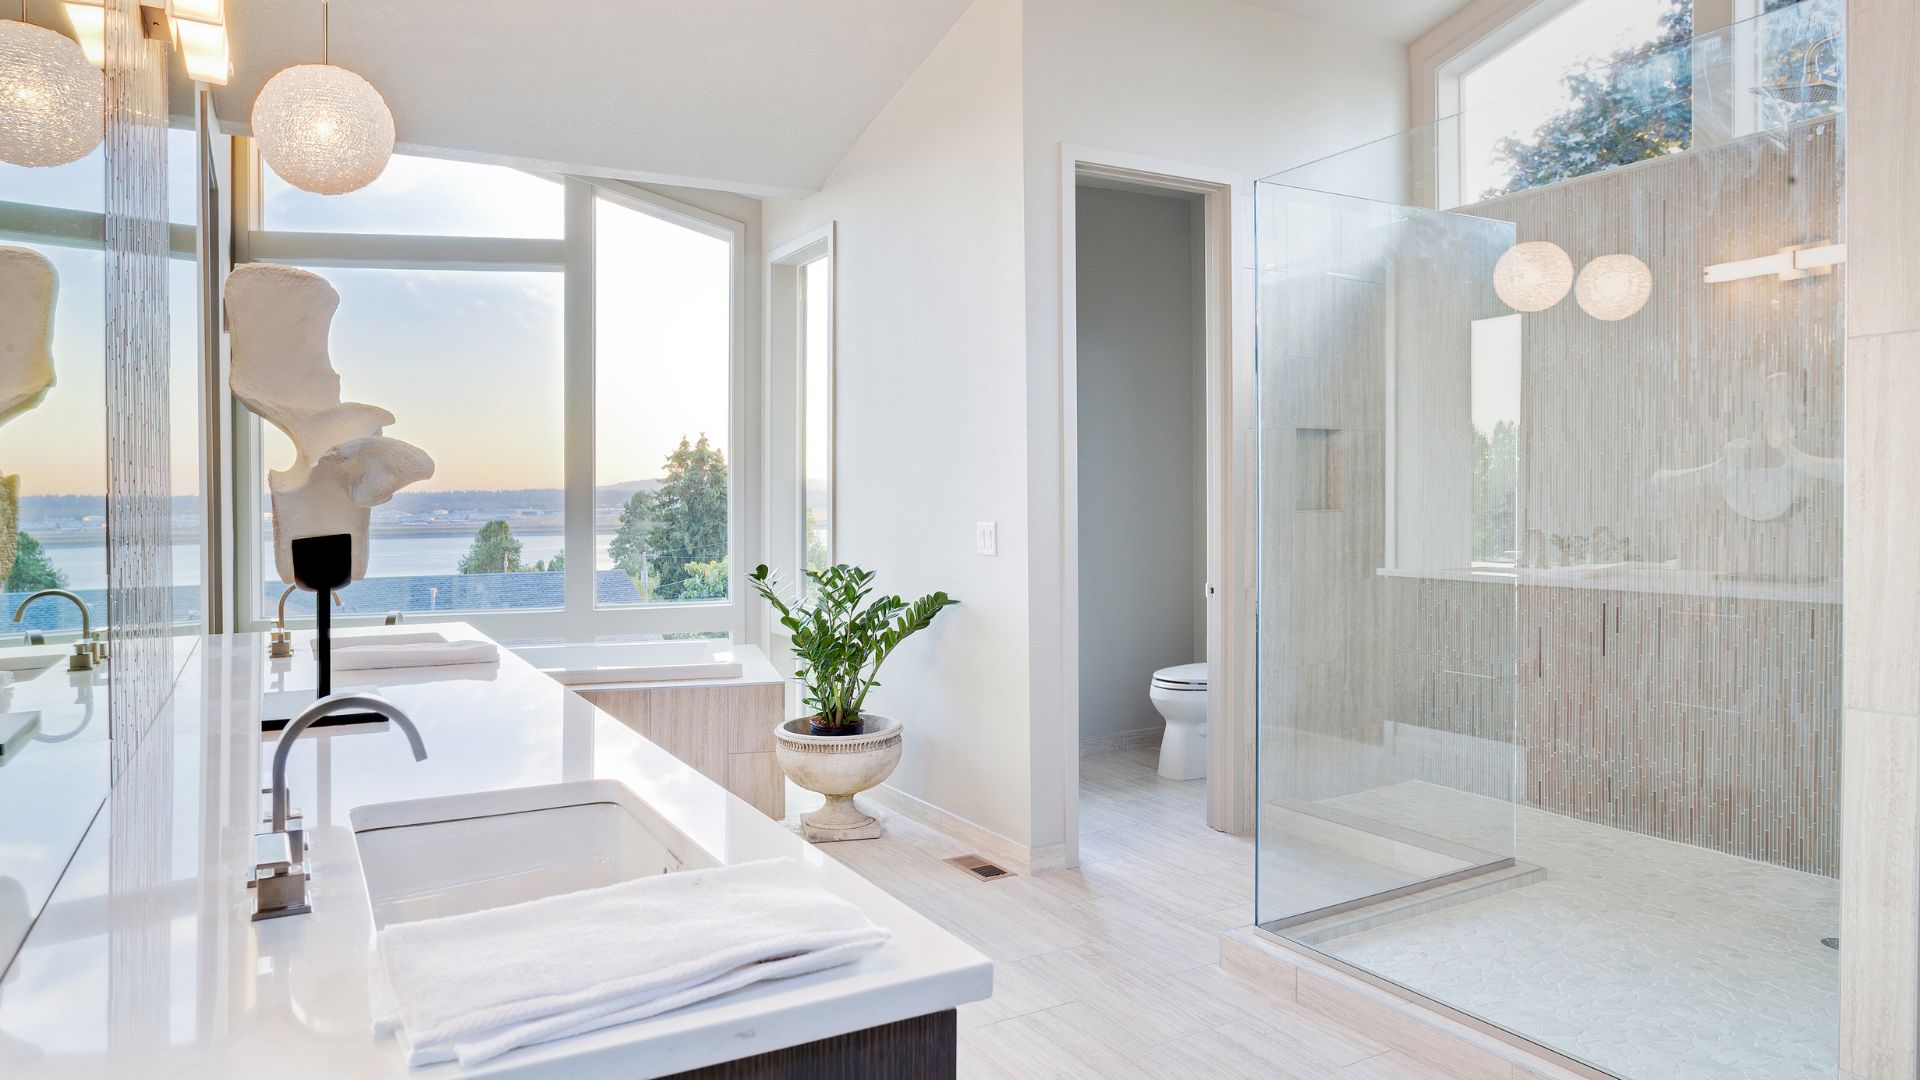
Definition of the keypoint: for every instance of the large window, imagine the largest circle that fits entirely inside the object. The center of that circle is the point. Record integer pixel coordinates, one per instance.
(551, 344)
(816, 415)
(662, 357)
(1588, 85)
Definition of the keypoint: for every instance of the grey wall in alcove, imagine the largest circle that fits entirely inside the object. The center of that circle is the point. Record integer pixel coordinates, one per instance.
(1142, 492)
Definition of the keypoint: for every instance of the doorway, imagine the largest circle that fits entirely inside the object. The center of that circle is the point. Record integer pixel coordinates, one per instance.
(1157, 401)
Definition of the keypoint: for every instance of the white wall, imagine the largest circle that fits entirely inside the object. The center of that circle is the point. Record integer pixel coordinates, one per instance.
(949, 315)
(931, 417)
(1142, 535)
(1210, 82)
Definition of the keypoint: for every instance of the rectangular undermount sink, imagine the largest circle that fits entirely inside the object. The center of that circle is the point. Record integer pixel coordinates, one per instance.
(428, 858)
(34, 658)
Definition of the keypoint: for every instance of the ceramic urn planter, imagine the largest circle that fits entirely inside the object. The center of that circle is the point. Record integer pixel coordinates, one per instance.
(839, 767)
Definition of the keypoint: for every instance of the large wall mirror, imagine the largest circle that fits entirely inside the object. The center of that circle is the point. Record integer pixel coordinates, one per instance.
(55, 757)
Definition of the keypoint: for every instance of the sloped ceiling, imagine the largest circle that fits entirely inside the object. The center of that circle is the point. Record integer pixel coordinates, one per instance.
(758, 96)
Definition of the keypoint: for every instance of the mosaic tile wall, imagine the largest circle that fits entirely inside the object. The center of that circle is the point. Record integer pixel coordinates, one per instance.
(1709, 713)
(139, 521)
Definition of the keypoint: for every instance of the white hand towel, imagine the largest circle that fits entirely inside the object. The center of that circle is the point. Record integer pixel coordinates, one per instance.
(413, 654)
(475, 986)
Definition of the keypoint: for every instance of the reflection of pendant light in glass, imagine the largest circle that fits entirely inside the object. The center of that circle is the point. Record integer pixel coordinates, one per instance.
(1533, 276)
(1613, 287)
(51, 99)
(323, 128)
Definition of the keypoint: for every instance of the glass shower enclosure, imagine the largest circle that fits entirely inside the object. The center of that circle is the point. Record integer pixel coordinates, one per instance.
(1550, 511)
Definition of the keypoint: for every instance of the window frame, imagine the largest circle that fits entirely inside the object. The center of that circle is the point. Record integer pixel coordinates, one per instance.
(572, 256)
(787, 359)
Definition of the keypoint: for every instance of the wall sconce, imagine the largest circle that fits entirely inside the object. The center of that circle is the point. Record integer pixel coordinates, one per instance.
(1788, 264)
(89, 19)
(198, 28)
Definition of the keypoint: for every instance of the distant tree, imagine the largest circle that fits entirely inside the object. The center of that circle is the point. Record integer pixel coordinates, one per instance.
(664, 533)
(1495, 492)
(493, 551)
(817, 557)
(1636, 107)
(704, 581)
(550, 566)
(32, 570)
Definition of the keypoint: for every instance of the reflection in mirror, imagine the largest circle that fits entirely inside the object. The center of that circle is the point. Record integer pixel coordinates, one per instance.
(54, 754)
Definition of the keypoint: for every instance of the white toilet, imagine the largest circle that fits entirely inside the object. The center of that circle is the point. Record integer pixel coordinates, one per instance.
(1180, 693)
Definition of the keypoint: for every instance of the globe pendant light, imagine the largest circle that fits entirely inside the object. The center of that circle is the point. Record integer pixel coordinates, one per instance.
(1613, 287)
(1533, 276)
(51, 99)
(322, 128)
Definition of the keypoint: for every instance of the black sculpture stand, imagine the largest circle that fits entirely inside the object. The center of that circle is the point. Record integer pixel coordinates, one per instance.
(321, 565)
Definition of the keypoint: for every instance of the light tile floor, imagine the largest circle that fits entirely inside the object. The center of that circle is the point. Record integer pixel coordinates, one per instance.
(1109, 970)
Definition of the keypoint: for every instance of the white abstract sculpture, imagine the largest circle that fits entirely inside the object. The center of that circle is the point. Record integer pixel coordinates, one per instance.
(342, 466)
(27, 286)
(1759, 479)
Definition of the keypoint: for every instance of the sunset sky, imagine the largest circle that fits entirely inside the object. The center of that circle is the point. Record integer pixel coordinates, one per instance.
(469, 362)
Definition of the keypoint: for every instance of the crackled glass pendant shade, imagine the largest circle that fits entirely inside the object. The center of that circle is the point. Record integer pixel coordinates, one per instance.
(1533, 276)
(51, 99)
(323, 129)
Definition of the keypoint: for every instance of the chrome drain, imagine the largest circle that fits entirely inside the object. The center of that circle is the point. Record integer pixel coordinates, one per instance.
(979, 867)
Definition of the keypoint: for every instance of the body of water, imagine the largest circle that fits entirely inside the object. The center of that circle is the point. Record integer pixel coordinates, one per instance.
(392, 555)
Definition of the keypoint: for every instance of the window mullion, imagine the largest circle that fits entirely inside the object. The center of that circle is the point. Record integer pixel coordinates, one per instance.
(578, 499)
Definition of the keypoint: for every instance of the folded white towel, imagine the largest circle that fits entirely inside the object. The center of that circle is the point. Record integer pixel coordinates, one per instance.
(413, 654)
(475, 986)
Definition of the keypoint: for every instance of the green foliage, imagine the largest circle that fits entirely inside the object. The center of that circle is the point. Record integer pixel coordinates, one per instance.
(555, 565)
(1495, 493)
(32, 570)
(839, 644)
(665, 534)
(817, 557)
(1639, 106)
(493, 551)
(705, 581)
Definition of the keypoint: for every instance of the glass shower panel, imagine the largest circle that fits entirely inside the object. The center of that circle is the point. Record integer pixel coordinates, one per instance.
(1550, 529)
(1386, 678)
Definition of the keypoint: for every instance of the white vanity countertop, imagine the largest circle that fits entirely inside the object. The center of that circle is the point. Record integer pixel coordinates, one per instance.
(146, 962)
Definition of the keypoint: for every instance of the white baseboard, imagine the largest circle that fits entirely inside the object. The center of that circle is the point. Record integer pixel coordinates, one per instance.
(984, 841)
(1134, 739)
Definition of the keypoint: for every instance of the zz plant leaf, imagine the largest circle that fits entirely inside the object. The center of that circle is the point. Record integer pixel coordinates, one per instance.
(840, 644)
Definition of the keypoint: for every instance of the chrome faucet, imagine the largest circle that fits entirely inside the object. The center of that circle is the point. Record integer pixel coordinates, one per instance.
(280, 639)
(87, 651)
(279, 873)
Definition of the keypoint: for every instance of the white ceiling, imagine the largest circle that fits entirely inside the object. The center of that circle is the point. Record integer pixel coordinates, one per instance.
(1395, 20)
(760, 96)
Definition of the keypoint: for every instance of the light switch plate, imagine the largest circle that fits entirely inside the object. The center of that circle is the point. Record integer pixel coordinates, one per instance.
(986, 540)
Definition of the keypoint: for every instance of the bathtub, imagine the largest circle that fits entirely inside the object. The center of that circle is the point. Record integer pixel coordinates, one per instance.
(589, 663)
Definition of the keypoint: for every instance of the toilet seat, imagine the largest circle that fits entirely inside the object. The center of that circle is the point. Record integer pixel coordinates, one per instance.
(1182, 677)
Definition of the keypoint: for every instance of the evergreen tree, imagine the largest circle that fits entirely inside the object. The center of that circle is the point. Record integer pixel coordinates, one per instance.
(493, 551)
(1639, 106)
(664, 534)
(32, 570)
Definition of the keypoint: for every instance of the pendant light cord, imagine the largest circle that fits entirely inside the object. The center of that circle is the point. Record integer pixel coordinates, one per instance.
(323, 30)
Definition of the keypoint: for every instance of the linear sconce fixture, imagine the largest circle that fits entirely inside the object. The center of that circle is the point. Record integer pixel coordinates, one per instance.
(198, 28)
(1788, 264)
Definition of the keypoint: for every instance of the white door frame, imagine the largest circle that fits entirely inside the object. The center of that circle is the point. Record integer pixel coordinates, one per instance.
(1226, 202)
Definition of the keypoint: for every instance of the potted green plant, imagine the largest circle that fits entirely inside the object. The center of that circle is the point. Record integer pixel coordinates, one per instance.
(841, 635)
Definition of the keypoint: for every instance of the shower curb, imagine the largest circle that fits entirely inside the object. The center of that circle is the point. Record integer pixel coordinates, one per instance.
(1457, 1046)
